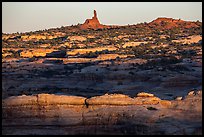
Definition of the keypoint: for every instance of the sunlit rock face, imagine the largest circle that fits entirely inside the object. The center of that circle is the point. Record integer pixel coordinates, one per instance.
(92, 23)
(118, 114)
(169, 23)
(43, 99)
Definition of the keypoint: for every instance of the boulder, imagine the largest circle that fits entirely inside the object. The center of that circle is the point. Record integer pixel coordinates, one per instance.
(191, 93)
(178, 98)
(191, 102)
(143, 94)
(165, 103)
(146, 100)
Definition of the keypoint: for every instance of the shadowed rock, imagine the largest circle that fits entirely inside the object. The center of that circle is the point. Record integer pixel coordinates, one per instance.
(56, 54)
(192, 102)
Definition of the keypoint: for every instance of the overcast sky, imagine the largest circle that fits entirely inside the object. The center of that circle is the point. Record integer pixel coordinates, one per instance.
(32, 16)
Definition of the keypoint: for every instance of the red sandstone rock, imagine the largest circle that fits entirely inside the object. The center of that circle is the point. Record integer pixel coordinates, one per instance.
(169, 23)
(92, 23)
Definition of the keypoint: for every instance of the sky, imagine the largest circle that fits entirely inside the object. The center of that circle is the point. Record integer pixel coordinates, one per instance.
(33, 16)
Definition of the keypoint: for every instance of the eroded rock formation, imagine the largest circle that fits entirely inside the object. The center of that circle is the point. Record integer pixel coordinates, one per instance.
(118, 114)
(92, 23)
(169, 23)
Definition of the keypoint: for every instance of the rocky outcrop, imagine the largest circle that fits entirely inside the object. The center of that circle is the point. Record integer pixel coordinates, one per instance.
(189, 39)
(92, 23)
(169, 23)
(111, 99)
(20, 100)
(143, 94)
(43, 99)
(45, 114)
(107, 99)
(133, 44)
(77, 38)
(120, 99)
(84, 51)
(191, 102)
(37, 53)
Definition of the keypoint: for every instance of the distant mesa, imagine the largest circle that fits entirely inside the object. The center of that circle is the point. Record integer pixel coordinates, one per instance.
(159, 23)
(92, 23)
(169, 23)
(160, 19)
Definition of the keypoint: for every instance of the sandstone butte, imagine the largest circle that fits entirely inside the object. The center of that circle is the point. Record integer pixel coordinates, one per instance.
(169, 23)
(92, 23)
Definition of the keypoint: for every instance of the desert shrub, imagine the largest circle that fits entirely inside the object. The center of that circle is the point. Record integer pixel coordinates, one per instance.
(132, 73)
(32, 59)
(169, 60)
(178, 68)
(48, 73)
(120, 83)
(188, 53)
(151, 108)
(90, 55)
(53, 61)
(57, 54)
(163, 61)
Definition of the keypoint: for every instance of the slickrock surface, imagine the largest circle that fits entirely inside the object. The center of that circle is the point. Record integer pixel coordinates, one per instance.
(113, 99)
(44, 99)
(190, 39)
(119, 114)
